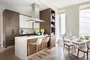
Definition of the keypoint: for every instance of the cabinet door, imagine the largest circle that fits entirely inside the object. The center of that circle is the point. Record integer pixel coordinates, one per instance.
(24, 23)
(9, 37)
(10, 27)
(53, 39)
(36, 25)
(28, 22)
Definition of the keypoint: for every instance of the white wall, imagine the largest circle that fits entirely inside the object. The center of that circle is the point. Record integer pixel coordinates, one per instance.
(57, 28)
(1, 25)
(1, 29)
(72, 18)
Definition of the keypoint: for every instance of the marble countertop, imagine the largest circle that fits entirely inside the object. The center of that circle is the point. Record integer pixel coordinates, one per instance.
(29, 37)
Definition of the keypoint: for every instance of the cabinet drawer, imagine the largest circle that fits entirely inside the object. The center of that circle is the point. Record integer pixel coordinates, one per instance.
(53, 39)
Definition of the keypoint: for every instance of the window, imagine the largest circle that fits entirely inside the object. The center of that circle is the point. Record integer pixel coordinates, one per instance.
(63, 24)
(84, 28)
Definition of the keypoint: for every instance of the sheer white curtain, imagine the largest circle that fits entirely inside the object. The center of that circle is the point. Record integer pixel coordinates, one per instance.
(84, 22)
(63, 24)
(62, 27)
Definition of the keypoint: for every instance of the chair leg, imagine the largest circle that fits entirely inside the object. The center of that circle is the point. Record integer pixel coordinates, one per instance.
(63, 47)
(84, 54)
(42, 46)
(36, 48)
(74, 48)
(78, 53)
(42, 49)
(87, 55)
(47, 48)
(46, 45)
(68, 49)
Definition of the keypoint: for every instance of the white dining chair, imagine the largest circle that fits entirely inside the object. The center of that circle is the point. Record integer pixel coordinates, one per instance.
(88, 48)
(85, 48)
(69, 44)
(75, 38)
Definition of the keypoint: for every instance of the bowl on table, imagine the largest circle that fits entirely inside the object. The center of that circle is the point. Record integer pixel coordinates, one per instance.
(79, 40)
(87, 37)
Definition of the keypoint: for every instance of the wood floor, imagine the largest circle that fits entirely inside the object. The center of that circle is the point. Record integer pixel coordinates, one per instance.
(56, 53)
(7, 54)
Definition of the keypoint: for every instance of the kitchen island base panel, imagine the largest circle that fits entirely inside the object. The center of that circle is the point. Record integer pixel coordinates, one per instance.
(22, 48)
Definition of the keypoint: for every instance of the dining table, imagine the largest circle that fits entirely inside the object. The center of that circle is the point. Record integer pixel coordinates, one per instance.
(77, 43)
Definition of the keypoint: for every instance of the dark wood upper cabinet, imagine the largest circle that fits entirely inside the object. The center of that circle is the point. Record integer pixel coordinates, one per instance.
(45, 15)
(10, 27)
(48, 15)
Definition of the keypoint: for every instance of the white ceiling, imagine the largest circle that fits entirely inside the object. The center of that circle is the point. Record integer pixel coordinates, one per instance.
(21, 6)
(24, 6)
(64, 3)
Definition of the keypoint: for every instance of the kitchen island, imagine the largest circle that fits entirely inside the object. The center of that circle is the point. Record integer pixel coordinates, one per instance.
(22, 49)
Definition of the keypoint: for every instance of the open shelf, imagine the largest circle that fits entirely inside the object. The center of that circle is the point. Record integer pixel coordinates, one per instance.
(52, 21)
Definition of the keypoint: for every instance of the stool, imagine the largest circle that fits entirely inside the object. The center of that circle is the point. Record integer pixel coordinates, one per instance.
(46, 43)
(37, 43)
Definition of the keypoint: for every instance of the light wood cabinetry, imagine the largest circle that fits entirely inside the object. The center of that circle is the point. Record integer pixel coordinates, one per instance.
(48, 16)
(31, 49)
(10, 27)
